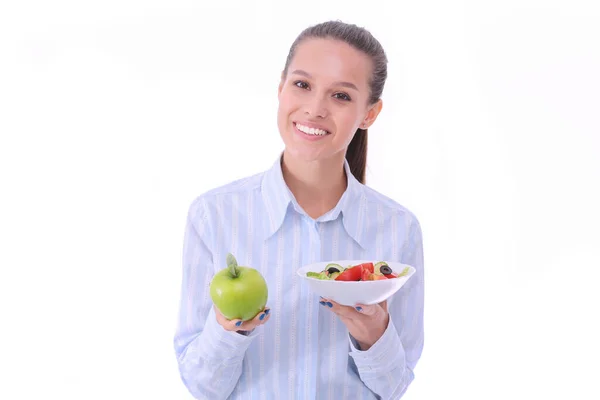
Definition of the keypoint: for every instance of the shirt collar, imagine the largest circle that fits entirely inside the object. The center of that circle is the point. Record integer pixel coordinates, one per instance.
(279, 201)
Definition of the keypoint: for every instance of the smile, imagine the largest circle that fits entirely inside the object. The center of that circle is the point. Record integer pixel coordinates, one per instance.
(311, 131)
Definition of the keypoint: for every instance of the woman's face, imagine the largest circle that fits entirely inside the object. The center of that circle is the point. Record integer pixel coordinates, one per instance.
(324, 99)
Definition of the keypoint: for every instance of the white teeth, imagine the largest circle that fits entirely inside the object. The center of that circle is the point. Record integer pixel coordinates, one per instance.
(311, 131)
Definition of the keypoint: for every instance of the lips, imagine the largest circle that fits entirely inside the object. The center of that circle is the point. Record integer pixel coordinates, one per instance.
(313, 134)
(311, 129)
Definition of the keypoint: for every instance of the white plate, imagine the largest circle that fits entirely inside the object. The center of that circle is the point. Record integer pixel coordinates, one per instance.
(350, 293)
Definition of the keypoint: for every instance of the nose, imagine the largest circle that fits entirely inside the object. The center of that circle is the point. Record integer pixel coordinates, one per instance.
(316, 107)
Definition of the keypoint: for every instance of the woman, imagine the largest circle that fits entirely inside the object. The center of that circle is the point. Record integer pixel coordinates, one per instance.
(311, 206)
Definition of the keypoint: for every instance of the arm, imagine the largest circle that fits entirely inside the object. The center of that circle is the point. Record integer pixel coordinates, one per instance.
(387, 367)
(209, 357)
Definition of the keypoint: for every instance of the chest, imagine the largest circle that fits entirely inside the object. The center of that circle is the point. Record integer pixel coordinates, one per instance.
(300, 241)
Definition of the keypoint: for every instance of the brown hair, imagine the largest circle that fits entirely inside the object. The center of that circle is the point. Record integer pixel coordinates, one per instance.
(362, 40)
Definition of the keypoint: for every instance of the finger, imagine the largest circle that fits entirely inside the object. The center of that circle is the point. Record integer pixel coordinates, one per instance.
(372, 309)
(260, 318)
(349, 311)
(223, 321)
(342, 311)
(239, 325)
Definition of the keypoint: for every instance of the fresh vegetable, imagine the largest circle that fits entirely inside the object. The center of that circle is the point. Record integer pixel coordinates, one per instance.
(360, 272)
(368, 267)
(238, 292)
(382, 268)
(351, 274)
(365, 274)
(333, 268)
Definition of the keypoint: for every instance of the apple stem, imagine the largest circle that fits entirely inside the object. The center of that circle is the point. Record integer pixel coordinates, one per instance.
(232, 265)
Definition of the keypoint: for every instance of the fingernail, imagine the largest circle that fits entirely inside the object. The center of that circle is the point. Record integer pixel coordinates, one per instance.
(322, 303)
(267, 311)
(262, 316)
(238, 323)
(359, 309)
(329, 304)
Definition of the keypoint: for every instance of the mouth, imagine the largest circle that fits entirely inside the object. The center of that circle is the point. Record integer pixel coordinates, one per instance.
(310, 131)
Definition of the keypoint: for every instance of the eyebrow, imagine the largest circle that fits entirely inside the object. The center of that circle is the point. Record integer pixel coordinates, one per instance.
(344, 84)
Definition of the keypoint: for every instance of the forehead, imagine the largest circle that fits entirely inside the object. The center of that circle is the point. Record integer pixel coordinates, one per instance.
(332, 61)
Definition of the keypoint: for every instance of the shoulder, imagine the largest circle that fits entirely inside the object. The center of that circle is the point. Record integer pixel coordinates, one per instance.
(207, 203)
(380, 205)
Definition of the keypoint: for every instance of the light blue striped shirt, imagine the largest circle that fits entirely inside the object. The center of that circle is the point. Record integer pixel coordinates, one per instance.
(304, 351)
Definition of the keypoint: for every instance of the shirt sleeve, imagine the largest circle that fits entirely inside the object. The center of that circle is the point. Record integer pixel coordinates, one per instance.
(387, 367)
(209, 357)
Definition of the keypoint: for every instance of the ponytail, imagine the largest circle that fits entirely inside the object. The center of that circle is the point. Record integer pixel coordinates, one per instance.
(357, 155)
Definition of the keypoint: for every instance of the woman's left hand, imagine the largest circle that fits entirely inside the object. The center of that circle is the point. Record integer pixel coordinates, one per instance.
(365, 323)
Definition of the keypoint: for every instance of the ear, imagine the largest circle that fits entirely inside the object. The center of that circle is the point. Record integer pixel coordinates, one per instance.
(372, 114)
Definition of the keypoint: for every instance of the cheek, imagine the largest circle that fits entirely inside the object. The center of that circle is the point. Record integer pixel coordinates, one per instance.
(346, 123)
(288, 106)
(348, 120)
(283, 102)
(288, 100)
(283, 114)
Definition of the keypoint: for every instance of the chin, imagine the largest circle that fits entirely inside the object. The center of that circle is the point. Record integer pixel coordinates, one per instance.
(304, 155)
(306, 150)
(308, 155)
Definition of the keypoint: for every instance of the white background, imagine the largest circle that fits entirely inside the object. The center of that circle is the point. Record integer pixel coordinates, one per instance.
(490, 133)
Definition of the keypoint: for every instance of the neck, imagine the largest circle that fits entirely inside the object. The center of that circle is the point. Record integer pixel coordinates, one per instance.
(316, 185)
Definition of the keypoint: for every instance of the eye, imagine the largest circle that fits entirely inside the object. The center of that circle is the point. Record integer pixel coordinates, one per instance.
(301, 84)
(342, 96)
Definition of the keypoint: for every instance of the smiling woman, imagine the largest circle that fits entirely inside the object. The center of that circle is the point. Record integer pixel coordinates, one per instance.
(318, 99)
(337, 75)
(312, 206)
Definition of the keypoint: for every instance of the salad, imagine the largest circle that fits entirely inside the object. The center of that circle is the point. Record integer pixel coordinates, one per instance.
(361, 272)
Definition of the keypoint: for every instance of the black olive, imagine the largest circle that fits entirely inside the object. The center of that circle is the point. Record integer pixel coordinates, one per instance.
(332, 270)
(385, 270)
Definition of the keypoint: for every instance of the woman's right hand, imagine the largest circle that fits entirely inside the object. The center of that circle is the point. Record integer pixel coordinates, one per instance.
(236, 325)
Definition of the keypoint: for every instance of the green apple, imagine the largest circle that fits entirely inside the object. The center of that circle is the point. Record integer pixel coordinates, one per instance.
(238, 292)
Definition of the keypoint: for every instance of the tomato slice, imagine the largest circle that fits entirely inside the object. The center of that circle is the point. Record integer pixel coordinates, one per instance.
(390, 276)
(369, 267)
(366, 275)
(351, 274)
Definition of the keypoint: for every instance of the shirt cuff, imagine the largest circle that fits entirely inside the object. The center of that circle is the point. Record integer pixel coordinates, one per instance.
(383, 356)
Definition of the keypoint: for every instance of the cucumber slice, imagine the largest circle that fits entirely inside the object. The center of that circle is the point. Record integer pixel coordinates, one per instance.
(335, 266)
(377, 267)
(318, 275)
